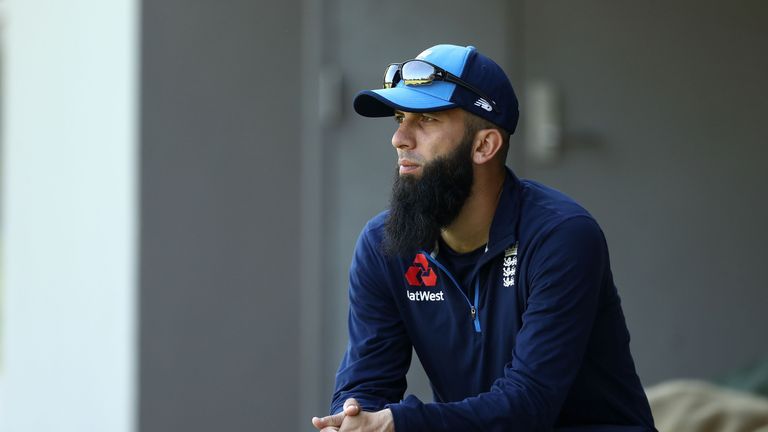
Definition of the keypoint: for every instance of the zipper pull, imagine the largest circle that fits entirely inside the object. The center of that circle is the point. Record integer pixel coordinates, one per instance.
(475, 318)
(473, 308)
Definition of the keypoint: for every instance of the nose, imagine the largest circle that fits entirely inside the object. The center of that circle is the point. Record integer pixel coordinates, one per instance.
(403, 138)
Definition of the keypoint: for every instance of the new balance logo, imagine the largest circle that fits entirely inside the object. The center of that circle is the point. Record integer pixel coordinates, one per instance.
(482, 103)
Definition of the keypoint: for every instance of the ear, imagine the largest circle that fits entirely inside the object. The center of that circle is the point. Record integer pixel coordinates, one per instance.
(487, 144)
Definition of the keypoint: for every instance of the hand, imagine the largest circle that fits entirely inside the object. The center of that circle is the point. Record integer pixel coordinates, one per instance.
(379, 421)
(333, 422)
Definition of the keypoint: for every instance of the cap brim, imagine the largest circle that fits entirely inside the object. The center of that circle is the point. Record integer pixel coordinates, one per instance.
(383, 102)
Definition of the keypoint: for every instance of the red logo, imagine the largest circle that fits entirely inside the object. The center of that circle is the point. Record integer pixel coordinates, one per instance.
(420, 273)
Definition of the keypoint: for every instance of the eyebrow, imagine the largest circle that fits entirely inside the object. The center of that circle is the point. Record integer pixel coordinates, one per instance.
(432, 113)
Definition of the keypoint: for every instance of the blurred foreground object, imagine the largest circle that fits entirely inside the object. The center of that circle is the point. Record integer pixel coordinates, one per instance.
(697, 406)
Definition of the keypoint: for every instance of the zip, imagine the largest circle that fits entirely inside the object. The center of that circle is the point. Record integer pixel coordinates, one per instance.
(475, 315)
(473, 309)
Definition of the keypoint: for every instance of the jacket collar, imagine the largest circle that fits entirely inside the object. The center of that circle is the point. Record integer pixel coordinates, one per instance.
(504, 228)
(506, 220)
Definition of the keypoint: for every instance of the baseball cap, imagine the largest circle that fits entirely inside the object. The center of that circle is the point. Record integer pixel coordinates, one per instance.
(466, 63)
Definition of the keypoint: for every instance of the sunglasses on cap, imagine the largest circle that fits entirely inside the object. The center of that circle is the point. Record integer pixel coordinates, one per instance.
(420, 72)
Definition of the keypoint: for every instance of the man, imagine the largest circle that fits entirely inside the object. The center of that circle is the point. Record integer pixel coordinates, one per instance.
(502, 286)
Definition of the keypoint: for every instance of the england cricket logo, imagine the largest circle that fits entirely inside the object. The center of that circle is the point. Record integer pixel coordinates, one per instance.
(510, 266)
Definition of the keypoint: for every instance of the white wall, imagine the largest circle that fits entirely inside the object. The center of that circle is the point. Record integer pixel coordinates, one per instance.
(69, 216)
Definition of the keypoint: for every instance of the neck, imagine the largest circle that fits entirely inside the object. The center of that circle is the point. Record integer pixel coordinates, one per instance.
(472, 226)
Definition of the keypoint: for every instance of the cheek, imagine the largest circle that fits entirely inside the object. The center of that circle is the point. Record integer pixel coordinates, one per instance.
(438, 145)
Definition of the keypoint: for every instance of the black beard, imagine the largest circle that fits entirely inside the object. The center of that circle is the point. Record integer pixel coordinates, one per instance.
(421, 207)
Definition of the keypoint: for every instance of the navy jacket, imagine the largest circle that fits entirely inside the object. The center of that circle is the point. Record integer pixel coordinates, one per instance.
(538, 341)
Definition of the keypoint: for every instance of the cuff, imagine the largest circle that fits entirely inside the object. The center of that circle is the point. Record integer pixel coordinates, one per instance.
(405, 415)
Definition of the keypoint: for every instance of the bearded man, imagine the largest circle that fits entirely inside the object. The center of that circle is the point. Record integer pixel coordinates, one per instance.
(502, 286)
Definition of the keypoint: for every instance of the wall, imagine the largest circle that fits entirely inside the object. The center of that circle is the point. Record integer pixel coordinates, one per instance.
(220, 257)
(69, 223)
(664, 141)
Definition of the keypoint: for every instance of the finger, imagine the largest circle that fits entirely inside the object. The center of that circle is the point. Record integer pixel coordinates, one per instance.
(332, 421)
(330, 429)
(316, 423)
(351, 407)
(351, 410)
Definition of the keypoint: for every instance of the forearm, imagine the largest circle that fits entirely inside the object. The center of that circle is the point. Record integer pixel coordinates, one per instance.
(498, 410)
(379, 351)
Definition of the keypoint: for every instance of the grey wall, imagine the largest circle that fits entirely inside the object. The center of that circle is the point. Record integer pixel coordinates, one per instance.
(665, 142)
(220, 139)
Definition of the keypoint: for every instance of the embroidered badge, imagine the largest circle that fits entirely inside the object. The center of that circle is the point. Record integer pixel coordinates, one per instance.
(510, 266)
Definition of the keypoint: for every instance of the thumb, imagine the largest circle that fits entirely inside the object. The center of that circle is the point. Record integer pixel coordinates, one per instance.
(328, 421)
(351, 407)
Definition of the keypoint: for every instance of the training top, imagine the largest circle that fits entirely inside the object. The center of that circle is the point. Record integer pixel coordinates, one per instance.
(538, 341)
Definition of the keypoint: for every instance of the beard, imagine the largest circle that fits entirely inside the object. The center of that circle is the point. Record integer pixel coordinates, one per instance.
(420, 207)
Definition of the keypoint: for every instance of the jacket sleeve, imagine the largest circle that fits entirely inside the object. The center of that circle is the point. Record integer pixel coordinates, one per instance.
(379, 351)
(566, 272)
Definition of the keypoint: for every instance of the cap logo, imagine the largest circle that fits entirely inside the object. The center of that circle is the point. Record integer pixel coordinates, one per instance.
(482, 103)
(424, 54)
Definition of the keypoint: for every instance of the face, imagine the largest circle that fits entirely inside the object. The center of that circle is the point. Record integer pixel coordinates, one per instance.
(433, 181)
(423, 137)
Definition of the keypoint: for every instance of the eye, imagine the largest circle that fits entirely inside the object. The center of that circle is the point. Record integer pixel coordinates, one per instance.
(426, 118)
(399, 118)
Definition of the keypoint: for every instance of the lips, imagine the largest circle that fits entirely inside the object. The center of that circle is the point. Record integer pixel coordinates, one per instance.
(407, 166)
(406, 163)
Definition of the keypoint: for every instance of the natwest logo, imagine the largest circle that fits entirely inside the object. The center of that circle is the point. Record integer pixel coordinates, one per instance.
(420, 273)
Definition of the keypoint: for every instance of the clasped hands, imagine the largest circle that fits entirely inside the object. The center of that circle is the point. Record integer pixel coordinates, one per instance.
(353, 419)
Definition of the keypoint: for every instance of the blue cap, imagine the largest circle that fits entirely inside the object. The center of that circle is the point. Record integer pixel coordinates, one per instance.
(464, 62)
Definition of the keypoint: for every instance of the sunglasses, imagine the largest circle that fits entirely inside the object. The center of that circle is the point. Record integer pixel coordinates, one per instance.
(420, 72)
